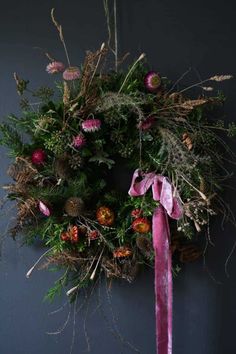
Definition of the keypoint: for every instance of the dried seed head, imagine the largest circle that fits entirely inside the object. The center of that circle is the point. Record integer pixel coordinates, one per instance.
(74, 206)
(220, 78)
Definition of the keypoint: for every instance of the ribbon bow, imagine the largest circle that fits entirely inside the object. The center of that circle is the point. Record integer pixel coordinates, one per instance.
(162, 191)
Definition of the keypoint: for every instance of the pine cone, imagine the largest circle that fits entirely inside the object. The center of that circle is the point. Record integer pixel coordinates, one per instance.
(74, 206)
(75, 161)
(62, 167)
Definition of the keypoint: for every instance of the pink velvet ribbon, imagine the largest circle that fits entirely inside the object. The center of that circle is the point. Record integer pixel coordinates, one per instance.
(169, 204)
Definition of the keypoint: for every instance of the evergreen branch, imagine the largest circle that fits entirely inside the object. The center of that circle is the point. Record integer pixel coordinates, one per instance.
(10, 138)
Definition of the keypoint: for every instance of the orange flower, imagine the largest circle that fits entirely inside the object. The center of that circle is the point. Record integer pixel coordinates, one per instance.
(93, 235)
(72, 234)
(141, 225)
(105, 216)
(122, 252)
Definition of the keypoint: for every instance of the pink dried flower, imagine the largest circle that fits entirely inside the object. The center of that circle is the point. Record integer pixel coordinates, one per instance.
(79, 141)
(55, 67)
(38, 157)
(45, 210)
(91, 125)
(147, 123)
(136, 213)
(152, 81)
(71, 73)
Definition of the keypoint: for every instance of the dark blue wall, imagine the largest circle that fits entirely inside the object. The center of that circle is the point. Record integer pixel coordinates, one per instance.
(175, 35)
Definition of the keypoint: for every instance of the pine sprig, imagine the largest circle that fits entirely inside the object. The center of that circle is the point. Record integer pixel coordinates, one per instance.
(10, 138)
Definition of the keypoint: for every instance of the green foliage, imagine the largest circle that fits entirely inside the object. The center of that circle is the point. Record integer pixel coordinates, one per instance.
(10, 138)
(44, 93)
(56, 290)
(164, 132)
(232, 130)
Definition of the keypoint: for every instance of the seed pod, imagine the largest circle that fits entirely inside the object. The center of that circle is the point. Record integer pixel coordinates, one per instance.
(74, 206)
(62, 167)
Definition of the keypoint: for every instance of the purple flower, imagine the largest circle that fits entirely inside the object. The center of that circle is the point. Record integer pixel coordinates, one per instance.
(79, 141)
(71, 73)
(152, 81)
(55, 67)
(91, 125)
(45, 210)
(147, 123)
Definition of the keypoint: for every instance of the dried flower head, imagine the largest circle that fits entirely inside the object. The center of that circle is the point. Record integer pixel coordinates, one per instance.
(55, 67)
(136, 213)
(38, 157)
(207, 88)
(91, 125)
(220, 78)
(45, 210)
(71, 73)
(187, 141)
(147, 123)
(93, 235)
(191, 104)
(152, 81)
(79, 141)
(122, 252)
(141, 225)
(74, 206)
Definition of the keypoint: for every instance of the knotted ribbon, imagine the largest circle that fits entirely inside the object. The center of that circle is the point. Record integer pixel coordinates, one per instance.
(169, 204)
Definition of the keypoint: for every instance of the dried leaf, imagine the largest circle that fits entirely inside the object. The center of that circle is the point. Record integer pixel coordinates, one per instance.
(207, 88)
(187, 141)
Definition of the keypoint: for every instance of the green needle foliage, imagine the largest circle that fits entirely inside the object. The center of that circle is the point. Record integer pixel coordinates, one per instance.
(87, 131)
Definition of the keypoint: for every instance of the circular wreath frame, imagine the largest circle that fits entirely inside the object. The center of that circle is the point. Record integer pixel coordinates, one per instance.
(86, 137)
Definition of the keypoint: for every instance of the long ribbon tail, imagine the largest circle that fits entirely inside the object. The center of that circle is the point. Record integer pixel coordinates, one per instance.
(170, 204)
(163, 281)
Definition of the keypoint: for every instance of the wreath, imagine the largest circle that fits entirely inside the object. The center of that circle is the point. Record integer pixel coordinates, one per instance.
(76, 149)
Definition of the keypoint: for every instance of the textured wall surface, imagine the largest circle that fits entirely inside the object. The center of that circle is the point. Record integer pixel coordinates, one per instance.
(175, 35)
